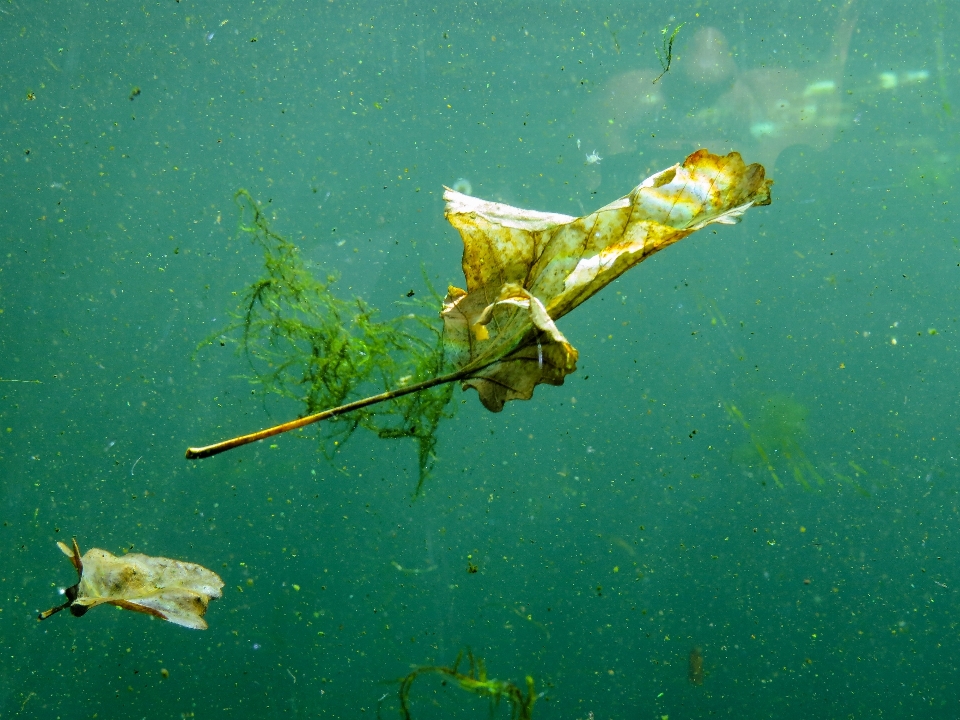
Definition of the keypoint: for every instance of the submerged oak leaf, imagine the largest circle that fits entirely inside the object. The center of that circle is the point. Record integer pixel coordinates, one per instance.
(526, 269)
(171, 590)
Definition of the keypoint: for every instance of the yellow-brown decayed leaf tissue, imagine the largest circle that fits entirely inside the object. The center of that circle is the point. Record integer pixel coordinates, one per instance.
(171, 590)
(526, 269)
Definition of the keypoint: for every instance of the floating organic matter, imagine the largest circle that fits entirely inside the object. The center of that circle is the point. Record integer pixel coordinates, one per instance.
(526, 269)
(475, 680)
(171, 590)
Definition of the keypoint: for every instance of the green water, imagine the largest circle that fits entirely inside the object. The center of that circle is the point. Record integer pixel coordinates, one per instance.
(615, 522)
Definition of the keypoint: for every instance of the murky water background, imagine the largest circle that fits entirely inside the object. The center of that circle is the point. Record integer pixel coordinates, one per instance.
(617, 522)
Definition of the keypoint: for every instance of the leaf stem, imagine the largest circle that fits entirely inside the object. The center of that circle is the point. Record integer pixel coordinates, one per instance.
(199, 453)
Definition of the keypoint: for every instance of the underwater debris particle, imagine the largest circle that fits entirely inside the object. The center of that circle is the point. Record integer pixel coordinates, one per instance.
(695, 667)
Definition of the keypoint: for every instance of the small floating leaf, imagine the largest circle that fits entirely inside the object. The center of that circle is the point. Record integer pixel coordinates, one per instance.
(171, 590)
